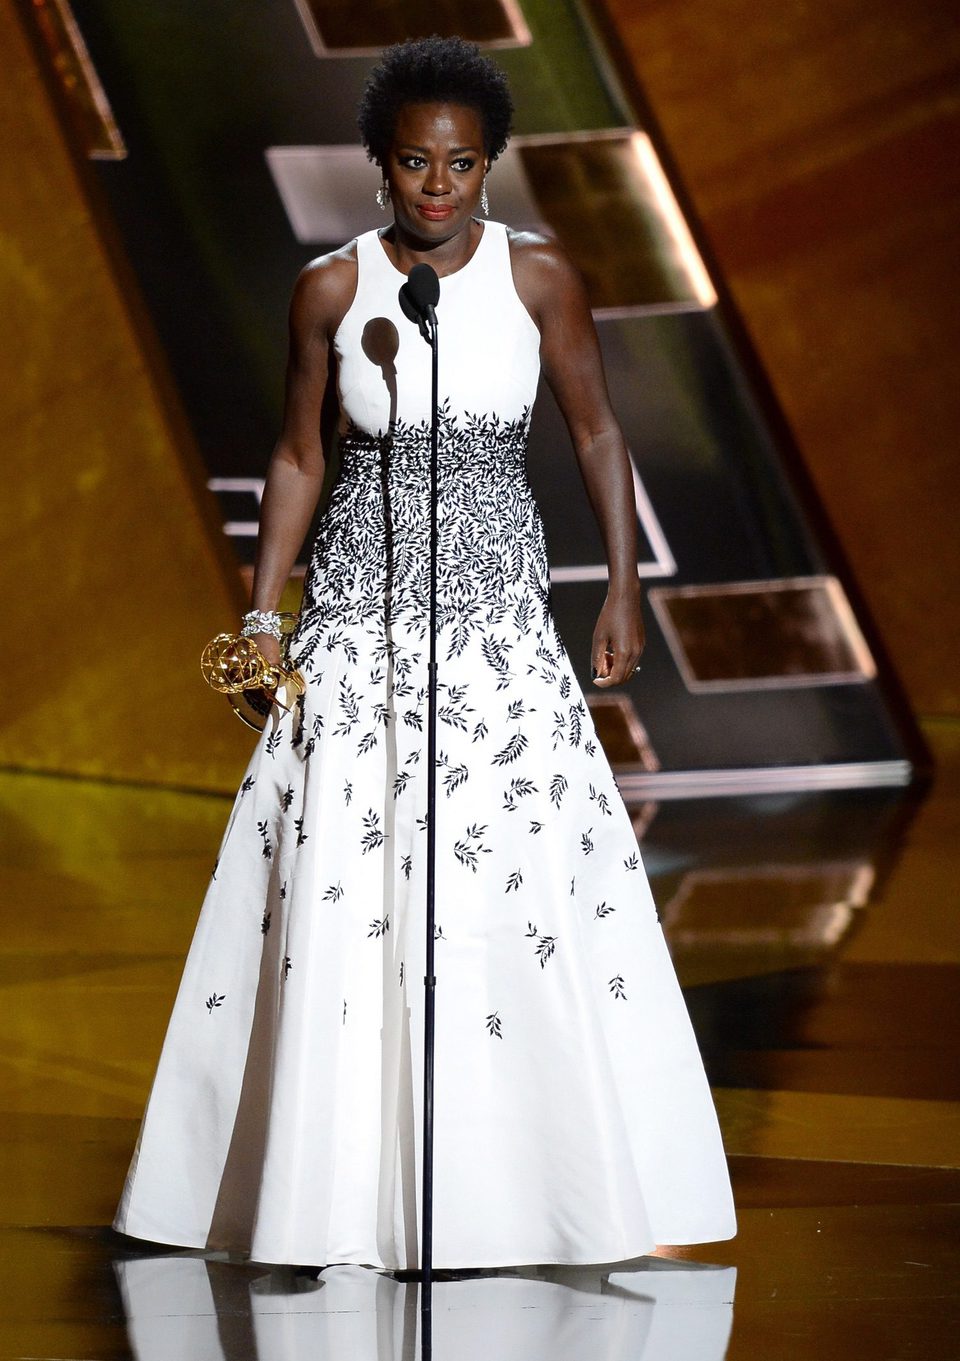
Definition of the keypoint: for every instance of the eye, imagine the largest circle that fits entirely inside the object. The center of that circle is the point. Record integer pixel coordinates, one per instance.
(412, 162)
(464, 164)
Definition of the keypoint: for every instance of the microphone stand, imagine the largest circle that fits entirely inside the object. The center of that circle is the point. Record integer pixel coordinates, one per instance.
(430, 981)
(417, 298)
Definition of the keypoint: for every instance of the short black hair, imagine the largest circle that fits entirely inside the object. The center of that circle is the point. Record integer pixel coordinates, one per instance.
(434, 71)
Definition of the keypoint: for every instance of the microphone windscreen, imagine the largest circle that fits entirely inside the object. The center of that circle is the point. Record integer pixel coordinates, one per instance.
(407, 306)
(423, 287)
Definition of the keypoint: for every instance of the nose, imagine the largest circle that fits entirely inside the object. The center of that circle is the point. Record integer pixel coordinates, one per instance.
(437, 180)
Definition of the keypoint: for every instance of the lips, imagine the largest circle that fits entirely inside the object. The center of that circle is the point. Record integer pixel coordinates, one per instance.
(435, 212)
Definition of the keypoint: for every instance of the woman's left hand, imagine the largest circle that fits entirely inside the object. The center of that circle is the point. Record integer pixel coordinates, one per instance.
(618, 639)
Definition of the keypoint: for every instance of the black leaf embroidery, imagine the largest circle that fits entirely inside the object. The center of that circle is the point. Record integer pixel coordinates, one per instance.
(544, 653)
(545, 948)
(367, 742)
(438, 933)
(518, 709)
(598, 797)
(247, 785)
(334, 893)
(590, 748)
(265, 924)
(564, 687)
(576, 727)
(287, 966)
(515, 748)
(617, 987)
(267, 850)
(273, 741)
(536, 827)
(632, 862)
(413, 719)
(519, 789)
(603, 910)
(401, 973)
(401, 780)
(559, 728)
(480, 730)
(406, 865)
(286, 798)
(379, 927)
(558, 787)
(514, 881)
(459, 637)
(586, 841)
(545, 944)
(454, 777)
(350, 706)
(215, 1000)
(494, 1026)
(216, 866)
(283, 890)
(522, 614)
(470, 846)
(495, 655)
(373, 836)
(454, 711)
(347, 792)
(302, 836)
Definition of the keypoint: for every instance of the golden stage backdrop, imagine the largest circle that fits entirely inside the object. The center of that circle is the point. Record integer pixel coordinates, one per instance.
(114, 572)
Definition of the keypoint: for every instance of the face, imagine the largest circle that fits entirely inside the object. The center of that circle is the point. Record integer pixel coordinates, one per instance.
(435, 169)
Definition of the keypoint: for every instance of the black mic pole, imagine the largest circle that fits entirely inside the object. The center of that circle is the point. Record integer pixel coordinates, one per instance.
(417, 299)
(430, 981)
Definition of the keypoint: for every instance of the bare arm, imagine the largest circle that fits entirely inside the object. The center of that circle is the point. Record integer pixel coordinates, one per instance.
(554, 294)
(294, 479)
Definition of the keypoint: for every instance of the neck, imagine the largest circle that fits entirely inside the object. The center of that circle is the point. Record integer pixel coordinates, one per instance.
(409, 249)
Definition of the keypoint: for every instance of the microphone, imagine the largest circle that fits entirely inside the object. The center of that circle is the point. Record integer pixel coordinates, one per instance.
(419, 296)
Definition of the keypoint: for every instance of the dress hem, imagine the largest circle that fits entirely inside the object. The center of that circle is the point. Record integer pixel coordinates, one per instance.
(526, 1260)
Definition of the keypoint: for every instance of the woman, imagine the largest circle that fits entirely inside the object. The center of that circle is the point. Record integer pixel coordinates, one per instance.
(573, 1119)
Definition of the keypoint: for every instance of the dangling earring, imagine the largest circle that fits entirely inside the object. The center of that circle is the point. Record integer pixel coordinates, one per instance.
(484, 201)
(383, 196)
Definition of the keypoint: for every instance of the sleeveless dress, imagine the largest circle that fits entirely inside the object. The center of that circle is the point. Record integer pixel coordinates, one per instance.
(573, 1120)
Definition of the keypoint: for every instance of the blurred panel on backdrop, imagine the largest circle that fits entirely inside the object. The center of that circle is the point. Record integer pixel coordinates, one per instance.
(818, 146)
(116, 576)
(344, 28)
(85, 101)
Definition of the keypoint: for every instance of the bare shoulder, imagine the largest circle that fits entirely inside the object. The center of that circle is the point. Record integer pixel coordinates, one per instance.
(324, 290)
(543, 272)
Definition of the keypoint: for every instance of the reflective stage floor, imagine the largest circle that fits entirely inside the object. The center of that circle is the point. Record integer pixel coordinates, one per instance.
(818, 941)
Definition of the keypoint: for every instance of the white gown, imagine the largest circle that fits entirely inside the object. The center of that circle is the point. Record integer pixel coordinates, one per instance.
(574, 1123)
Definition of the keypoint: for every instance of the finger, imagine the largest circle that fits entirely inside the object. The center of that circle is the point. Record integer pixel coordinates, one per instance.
(602, 658)
(620, 672)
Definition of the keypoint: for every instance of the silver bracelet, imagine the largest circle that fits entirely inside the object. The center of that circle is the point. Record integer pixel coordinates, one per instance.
(261, 621)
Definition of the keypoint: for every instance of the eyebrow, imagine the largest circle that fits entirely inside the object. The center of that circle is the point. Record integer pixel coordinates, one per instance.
(411, 146)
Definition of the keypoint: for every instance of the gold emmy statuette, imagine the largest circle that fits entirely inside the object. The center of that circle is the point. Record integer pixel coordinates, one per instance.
(234, 666)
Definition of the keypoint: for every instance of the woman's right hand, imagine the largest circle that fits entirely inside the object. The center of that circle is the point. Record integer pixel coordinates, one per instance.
(269, 646)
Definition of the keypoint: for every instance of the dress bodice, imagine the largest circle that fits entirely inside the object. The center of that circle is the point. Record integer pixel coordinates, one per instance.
(489, 345)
